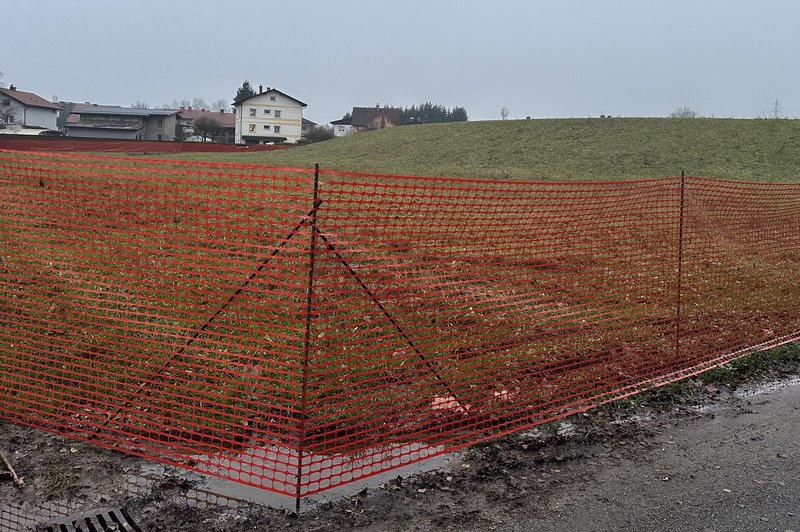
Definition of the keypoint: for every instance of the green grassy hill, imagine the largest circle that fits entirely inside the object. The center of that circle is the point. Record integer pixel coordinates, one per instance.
(562, 149)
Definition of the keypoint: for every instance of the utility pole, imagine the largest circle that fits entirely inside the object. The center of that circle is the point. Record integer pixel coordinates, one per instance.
(776, 110)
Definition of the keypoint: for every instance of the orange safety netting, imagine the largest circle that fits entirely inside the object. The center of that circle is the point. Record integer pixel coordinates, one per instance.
(296, 330)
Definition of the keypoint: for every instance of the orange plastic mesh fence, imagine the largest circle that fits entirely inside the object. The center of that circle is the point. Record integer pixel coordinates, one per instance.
(246, 322)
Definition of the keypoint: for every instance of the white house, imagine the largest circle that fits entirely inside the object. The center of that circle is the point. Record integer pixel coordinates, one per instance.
(20, 109)
(342, 127)
(269, 116)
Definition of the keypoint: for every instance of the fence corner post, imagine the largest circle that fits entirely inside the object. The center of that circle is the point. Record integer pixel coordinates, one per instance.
(307, 338)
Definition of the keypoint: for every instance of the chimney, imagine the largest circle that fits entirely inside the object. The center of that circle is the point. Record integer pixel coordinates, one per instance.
(260, 89)
(12, 87)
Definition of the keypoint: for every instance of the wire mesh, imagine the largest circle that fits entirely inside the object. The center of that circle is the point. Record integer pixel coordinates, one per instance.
(296, 330)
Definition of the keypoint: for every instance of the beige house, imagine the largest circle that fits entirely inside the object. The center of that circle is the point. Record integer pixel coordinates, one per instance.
(269, 116)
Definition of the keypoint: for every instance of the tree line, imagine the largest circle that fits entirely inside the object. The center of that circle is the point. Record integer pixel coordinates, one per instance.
(432, 113)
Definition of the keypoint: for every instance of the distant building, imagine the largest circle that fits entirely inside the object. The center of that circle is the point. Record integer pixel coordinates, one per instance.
(369, 118)
(226, 121)
(113, 122)
(342, 127)
(63, 114)
(26, 110)
(269, 116)
(308, 125)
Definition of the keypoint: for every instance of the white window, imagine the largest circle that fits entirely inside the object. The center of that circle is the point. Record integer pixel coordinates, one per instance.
(277, 129)
(277, 113)
(266, 127)
(341, 128)
(272, 98)
(267, 111)
(252, 112)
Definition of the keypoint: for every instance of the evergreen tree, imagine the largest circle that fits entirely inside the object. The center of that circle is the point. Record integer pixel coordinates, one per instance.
(458, 114)
(431, 113)
(244, 92)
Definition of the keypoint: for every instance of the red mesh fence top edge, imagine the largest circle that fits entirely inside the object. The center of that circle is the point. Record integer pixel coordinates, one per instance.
(295, 331)
(81, 144)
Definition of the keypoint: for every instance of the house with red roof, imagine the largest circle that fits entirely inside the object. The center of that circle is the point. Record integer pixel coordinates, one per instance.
(20, 109)
(225, 121)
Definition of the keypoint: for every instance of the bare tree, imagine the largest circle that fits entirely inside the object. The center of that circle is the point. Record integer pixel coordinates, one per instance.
(683, 112)
(504, 112)
(199, 103)
(140, 105)
(317, 134)
(221, 104)
(206, 127)
(6, 114)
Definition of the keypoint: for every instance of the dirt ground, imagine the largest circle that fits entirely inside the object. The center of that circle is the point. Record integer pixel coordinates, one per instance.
(693, 457)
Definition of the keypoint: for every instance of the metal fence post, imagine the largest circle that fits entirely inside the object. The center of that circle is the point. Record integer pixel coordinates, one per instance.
(680, 266)
(307, 338)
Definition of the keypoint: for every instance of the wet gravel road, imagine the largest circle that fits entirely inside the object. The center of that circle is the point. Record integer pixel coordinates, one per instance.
(737, 469)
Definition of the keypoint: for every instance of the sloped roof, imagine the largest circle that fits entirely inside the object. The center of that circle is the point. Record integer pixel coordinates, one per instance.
(121, 111)
(343, 121)
(227, 120)
(362, 116)
(269, 90)
(30, 99)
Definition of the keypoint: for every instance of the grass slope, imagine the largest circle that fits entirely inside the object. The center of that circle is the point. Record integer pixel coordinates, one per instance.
(560, 149)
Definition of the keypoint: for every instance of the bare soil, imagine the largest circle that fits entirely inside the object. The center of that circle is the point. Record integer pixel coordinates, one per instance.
(647, 463)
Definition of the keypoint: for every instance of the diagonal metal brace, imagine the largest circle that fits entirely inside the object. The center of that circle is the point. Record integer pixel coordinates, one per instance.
(332, 247)
(156, 374)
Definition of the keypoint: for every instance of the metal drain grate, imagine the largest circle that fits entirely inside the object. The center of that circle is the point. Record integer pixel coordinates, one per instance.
(116, 520)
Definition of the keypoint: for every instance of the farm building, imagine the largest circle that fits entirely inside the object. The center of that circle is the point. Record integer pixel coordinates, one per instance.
(113, 122)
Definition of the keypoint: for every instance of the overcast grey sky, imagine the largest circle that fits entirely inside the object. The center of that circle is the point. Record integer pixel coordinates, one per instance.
(568, 58)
